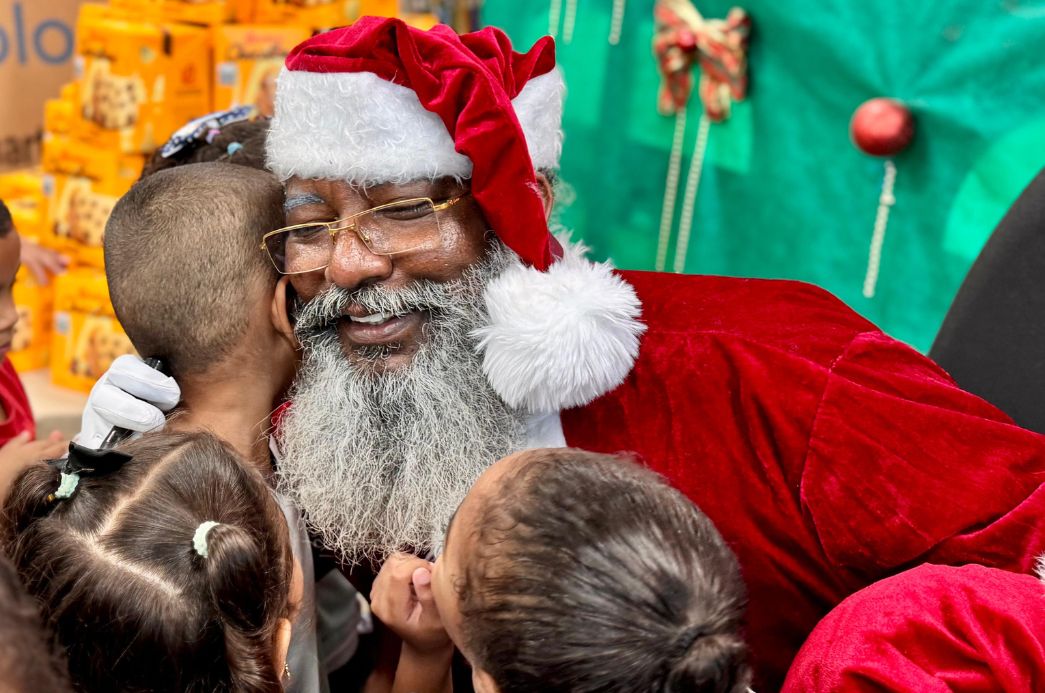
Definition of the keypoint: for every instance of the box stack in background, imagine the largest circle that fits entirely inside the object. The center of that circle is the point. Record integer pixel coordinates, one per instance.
(143, 69)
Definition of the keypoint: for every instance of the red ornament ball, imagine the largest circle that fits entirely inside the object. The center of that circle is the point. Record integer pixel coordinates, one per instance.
(882, 127)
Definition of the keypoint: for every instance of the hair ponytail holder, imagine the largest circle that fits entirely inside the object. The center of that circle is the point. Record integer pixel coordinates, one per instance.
(199, 539)
(81, 462)
(66, 488)
(233, 148)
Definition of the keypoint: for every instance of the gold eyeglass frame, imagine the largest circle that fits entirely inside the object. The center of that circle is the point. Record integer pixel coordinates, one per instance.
(337, 226)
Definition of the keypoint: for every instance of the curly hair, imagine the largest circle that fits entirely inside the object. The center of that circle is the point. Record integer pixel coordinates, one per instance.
(128, 597)
(590, 573)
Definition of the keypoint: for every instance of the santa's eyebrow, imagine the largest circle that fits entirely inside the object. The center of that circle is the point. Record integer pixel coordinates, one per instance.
(301, 199)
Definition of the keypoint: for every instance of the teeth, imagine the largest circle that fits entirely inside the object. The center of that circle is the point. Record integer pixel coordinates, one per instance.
(374, 318)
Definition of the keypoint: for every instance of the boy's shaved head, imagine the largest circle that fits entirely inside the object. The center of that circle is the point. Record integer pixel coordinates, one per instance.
(183, 261)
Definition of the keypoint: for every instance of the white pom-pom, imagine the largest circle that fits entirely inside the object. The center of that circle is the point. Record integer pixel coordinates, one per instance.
(1040, 568)
(561, 338)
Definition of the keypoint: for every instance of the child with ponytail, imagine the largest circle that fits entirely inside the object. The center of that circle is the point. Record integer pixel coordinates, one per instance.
(571, 571)
(164, 566)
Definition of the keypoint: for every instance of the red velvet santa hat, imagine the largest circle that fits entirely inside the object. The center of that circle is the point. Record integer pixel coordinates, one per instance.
(380, 101)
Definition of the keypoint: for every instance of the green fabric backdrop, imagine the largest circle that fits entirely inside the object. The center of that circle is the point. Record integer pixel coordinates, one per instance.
(784, 193)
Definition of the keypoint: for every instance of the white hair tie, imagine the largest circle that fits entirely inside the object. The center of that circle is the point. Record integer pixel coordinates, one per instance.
(199, 539)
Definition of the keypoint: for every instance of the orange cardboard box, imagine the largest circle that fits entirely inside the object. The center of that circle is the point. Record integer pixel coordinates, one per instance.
(31, 345)
(86, 336)
(25, 196)
(316, 15)
(247, 60)
(140, 80)
(79, 209)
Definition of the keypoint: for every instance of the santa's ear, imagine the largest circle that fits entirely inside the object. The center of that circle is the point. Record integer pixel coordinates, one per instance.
(483, 682)
(280, 312)
(547, 193)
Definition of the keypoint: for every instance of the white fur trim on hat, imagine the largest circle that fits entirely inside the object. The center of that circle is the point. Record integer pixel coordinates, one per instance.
(363, 129)
(1039, 568)
(561, 338)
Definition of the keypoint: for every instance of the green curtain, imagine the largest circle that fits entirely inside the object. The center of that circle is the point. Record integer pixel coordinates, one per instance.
(784, 192)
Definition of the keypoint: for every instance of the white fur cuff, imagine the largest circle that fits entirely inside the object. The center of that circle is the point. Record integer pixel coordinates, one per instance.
(561, 338)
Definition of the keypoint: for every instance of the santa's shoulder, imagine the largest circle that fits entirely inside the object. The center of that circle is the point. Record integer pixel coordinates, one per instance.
(774, 314)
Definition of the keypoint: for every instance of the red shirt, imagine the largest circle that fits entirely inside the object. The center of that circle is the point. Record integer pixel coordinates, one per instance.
(19, 417)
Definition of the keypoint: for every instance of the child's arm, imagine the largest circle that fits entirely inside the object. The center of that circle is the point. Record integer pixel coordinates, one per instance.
(402, 598)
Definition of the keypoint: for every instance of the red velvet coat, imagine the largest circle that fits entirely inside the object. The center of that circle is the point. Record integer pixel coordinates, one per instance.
(828, 454)
(932, 629)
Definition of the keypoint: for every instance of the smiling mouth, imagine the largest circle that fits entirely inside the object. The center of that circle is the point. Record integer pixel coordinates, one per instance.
(381, 328)
(374, 318)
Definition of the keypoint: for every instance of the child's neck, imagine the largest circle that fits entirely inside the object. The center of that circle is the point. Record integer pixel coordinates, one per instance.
(236, 407)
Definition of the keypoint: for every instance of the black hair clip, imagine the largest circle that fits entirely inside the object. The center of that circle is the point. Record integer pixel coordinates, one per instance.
(85, 462)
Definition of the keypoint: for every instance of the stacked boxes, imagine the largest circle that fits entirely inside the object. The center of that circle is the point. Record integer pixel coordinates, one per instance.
(86, 335)
(247, 60)
(23, 193)
(144, 69)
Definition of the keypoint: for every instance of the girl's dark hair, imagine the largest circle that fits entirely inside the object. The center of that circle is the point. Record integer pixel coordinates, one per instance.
(590, 573)
(27, 665)
(247, 138)
(124, 591)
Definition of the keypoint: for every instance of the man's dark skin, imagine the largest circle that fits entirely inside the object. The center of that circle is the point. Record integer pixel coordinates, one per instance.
(353, 266)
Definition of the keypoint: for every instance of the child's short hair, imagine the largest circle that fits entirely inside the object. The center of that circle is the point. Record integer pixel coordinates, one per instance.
(590, 573)
(7, 224)
(26, 662)
(241, 143)
(122, 583)
(183, 260)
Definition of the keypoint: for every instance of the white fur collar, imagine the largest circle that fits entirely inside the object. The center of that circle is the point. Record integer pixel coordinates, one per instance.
(561, 338)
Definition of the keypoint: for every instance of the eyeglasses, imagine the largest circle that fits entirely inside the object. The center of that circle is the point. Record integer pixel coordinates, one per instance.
(391, 229)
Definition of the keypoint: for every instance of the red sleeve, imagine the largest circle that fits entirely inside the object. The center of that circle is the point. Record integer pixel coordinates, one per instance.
(904, 467)
(934, 629)
(19, 417)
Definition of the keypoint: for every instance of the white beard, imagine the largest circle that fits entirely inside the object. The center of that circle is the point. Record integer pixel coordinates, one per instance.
(379, 460)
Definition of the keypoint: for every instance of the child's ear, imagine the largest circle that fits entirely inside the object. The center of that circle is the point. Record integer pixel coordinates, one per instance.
(483, 682)
(280, 312)
(282, 647)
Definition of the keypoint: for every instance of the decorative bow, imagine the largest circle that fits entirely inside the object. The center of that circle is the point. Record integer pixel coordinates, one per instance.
(84, 462)
(87, 461)
(719, 46)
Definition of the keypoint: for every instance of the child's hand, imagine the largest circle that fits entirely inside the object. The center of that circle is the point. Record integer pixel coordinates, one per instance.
(402, 598)
(20, 452)
(44, 263)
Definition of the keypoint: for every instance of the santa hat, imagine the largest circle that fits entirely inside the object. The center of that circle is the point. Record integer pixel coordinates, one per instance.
(380, 101)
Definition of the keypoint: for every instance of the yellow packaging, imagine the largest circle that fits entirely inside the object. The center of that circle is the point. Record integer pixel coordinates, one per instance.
(247, 60)
(316, 15)
(31, 344)
(378, 8)
(86, 337)
(24, 194)
(203, 12)
(79, 209)
(115, 173)
(23, 183)
(58, 117)
(420, 20)
(140, 81)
